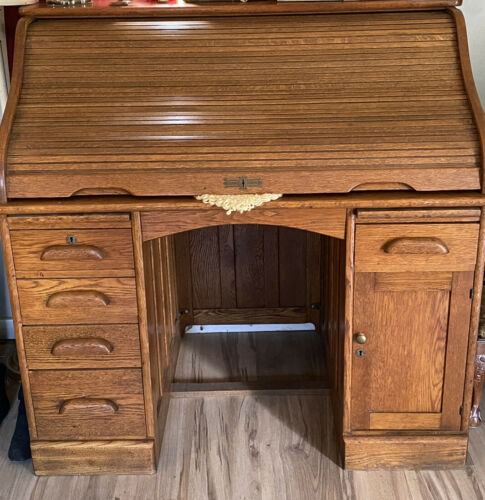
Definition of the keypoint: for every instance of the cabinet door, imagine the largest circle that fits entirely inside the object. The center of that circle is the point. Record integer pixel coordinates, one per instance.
(410, 372)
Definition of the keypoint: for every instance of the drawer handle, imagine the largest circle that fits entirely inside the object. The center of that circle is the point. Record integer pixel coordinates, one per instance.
(82, 346)
(77, 298)
(417, 245)
(72, 252)
(98, 405)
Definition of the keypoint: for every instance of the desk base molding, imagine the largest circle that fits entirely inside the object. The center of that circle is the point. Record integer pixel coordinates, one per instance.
(373, 452)
(93, 457)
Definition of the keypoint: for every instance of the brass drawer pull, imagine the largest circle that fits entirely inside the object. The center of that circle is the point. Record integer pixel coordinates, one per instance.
(99, 405)
(82, 347)
(77, 298)
(72, 252)
(416, 246)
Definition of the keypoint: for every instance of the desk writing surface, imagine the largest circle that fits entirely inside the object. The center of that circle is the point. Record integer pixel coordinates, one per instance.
(291, 104)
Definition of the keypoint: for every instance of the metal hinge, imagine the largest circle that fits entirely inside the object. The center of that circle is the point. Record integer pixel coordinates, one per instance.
(242, 182)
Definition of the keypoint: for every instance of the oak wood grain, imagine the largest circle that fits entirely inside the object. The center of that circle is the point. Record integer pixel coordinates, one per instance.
(461, 240)
(78, 301)
(79, 221)
(402, 421)
(474, 324)
(250, 315)
(475, 103)
(93, 457)
(372, 452)
(17, 316)
(386, 127)
(353, 200)
(143, 301)
(88, 404)
(418, 215)
(405, 356)
(323, 221)
(87, 346)
(12, 101)
(95, 252)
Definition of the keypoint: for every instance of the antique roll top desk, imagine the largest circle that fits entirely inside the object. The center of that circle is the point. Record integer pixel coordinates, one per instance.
(362, 114)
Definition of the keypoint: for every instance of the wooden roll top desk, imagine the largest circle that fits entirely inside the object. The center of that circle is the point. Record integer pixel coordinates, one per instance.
(362, 114)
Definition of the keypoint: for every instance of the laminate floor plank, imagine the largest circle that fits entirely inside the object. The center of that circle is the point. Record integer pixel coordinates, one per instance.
(268, 446)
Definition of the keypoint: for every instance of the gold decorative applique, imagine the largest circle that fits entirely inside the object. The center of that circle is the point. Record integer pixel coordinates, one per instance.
(237, 202)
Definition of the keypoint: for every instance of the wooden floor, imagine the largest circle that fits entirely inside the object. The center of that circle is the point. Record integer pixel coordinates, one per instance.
(261, 446)
(262, 357)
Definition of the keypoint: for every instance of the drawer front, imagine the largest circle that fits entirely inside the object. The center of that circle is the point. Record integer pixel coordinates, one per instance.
(88, 404)
(71, 253)
(416, 247)
(77, 301)
(92, 346)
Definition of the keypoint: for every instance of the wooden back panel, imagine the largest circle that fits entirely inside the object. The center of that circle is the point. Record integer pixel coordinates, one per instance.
(292, 104)
(248, 274)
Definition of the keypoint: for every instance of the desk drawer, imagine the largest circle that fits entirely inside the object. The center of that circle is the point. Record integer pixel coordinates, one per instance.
(416, 247)
(77, 301)
(70, 253)
(88, 404)
(92, 346)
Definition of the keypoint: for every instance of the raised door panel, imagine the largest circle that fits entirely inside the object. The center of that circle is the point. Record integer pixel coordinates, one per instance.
(416, 326)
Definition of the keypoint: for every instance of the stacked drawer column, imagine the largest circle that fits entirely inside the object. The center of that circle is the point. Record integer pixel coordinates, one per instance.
(77, 305)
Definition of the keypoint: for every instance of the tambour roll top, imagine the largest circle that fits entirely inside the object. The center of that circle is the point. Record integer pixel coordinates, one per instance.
(323, 103)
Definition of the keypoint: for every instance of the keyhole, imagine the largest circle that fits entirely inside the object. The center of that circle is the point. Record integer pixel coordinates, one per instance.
(71, 240)
(360, 353)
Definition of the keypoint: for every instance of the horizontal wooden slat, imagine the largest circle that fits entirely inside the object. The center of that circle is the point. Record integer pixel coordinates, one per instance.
(398, 282)
(372, 452)
(163, 223)
(418, 215)
(93, 457)
(91, 221)
(404, 421)
(246, 316)
(152, 183)
(346, 100)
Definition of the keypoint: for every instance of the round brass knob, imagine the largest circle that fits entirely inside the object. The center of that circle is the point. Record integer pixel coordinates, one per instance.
(360, 338)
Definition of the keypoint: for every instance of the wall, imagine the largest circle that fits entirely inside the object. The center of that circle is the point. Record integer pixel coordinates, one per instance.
(6, 329)
(474, 11)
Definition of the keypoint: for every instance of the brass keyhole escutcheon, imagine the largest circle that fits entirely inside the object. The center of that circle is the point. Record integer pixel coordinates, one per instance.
(360, 353)
(360, 338)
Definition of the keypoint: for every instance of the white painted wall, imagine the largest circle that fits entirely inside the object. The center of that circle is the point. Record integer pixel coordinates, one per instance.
(6, 327)
(474, 11)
